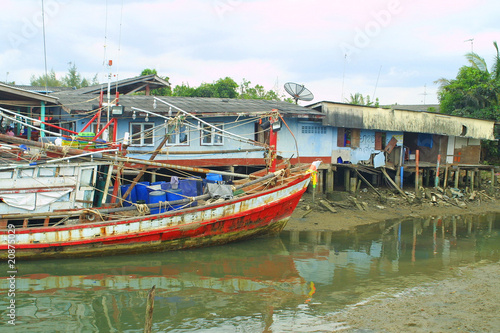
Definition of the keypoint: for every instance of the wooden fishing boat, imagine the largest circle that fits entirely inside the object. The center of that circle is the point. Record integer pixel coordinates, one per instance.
(263, 207)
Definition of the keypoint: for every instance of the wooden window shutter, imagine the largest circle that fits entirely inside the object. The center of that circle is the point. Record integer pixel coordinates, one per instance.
(340, 137)
(355, 137)
(378, 141)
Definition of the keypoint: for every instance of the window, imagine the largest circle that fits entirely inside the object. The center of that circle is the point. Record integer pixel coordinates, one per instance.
(211, 136)
(380, 138)
(261, 135)
(141, 134)
(348, 137)
(313, 129)
(101, 126)
(179, 135)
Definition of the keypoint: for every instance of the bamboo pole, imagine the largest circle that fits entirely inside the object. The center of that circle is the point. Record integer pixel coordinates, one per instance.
(172, 166)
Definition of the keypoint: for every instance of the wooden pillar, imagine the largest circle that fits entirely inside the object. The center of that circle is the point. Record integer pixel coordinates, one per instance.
(492, 186)
(321, 177)
(329, 180)
(445, 182)
(457, 176)
(347, 179)
(353, 184)
(427, 177)
(478, 179)
(231, 169)
(398, 177)
(472, 180)
(417, 172)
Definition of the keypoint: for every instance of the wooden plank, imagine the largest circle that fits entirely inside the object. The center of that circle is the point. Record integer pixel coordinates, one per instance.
(394, 184)
(368, 183)
(327, 206)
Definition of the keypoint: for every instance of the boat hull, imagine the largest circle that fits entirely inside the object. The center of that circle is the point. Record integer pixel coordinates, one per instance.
(254, 215)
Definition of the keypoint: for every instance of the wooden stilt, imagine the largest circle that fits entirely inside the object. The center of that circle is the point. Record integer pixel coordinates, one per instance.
(457, 176)
(149, 310)
(347, 179)
(329, 180)
(417, 172)
(472, 180)
(445, 183)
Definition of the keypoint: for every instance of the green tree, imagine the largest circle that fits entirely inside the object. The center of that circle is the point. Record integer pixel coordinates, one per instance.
(225, 88)
(48, 79)
(184, 90)
(474, 93)
(359, 99)
(258, 92)
(73, 79)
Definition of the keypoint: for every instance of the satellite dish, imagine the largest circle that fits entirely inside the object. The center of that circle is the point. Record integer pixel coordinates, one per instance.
(298, 92)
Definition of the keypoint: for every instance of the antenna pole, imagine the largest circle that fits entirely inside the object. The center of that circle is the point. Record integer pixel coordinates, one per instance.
(343, 79)
(44, 50)
(376, 83)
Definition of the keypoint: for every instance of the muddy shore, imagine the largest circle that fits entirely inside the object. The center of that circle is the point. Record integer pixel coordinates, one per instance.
(466, 300)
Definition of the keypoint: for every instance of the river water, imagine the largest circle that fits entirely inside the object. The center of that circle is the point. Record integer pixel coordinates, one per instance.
(289, 283)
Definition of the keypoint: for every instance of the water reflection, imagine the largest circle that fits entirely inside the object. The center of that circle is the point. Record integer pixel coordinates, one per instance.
(275, 284)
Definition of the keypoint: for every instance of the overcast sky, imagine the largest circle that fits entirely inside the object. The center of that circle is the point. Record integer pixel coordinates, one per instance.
(390, 49)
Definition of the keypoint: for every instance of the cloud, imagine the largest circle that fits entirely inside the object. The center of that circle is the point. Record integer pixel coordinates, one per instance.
(411, 44)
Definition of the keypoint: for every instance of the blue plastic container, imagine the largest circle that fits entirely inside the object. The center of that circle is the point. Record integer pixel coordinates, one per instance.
(173, 195)
(131, 197)
(214, 177)
(141, 190)
(155, 197)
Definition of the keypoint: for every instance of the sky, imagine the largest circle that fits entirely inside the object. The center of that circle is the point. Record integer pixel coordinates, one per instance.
(393, 50)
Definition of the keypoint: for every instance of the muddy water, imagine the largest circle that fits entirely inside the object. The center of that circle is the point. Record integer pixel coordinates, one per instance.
(288, 283)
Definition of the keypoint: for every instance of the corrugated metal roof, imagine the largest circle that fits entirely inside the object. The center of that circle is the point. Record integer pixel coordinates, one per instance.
(74, 102)
(127, 86)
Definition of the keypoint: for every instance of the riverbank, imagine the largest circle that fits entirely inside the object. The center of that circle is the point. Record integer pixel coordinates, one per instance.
(367, 207)
(465, 300)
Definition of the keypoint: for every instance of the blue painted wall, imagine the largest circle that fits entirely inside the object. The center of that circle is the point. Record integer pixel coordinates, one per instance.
(313, 139)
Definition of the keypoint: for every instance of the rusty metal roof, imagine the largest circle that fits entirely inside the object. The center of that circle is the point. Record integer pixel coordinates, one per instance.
(74, 102)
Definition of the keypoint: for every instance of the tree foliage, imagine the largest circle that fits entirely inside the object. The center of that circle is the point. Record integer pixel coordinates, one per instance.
(474, 93)
(222, 88)
(73, 79)
(48, 79)
(359, 99)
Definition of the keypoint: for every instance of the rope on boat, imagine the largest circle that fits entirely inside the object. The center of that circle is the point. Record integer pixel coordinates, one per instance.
(143, 209)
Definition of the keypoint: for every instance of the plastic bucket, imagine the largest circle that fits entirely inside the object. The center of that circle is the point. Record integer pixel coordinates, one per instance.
(141, 190)
(156, 197)
(131, 197)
